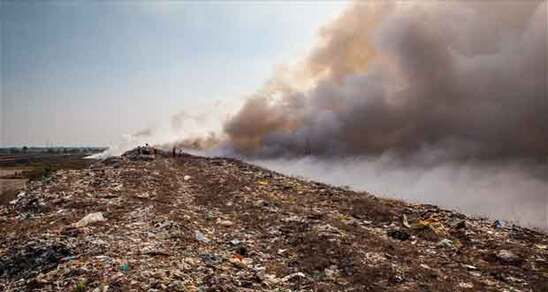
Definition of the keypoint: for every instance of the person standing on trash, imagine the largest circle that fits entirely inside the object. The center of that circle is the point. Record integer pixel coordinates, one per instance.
(174, 151)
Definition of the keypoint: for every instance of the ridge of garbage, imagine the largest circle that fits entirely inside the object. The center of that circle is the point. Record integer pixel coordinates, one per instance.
(156, 222)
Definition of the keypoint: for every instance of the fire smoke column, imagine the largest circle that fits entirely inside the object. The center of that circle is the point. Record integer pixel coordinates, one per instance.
(465, 77)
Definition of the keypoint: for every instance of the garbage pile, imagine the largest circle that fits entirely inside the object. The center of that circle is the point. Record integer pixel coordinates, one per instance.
(158, 223)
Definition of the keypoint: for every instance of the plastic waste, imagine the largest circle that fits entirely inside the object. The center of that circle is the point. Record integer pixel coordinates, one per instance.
(200, 236)
(90, 219)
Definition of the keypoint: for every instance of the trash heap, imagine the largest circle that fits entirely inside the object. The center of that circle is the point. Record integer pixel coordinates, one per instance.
(158, 223)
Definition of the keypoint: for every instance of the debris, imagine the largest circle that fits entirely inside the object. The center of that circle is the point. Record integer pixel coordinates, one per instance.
(155, 252)
(145, 195)
(186, 177)
(69, 258)
(244, 228)
(292, 276)
(90, 219)
(470, 267)
(498, 224)
(466, 285)
(398, 234)
(508, 257)
(405, 222)
(238, 262)
(541, 246)
(430, 229)
(331, 272)
(397, 279)
(211, 259)
(200, 236)
(225, 223)
(459, 224)
(124, 266)
(445, 243)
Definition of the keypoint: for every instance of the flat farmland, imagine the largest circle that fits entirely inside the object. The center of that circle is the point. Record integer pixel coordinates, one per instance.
(17, 169)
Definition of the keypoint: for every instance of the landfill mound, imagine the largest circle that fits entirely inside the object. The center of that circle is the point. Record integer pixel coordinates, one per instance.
(159, 223)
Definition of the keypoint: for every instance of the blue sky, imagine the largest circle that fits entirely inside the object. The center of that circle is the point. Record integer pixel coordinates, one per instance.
(85, 73)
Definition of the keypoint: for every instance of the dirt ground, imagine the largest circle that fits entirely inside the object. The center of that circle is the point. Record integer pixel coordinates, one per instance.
(158, 223)
(9, 188)
(14, 174)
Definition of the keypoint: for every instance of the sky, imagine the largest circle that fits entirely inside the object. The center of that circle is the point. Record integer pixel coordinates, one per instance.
(86, 73)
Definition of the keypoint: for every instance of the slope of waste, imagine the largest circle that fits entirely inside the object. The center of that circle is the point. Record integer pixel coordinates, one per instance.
(158, 223)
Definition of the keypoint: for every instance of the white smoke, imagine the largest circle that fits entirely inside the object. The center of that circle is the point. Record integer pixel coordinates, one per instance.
(510, 191)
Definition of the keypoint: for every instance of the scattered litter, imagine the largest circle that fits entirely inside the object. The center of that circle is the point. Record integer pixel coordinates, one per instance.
(143, 195)
(405, 222)
(90, 219)
(430, 228)
(292, 276)
(124, 266)
(470, 267)
(200, 236)
(225, 223)
(445, 243)
(398, 234)
(458, 224)
(508, 257)
(244, 228)
(541, 246)
(465, 285)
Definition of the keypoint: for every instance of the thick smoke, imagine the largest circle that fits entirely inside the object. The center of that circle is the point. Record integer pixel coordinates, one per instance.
(440, 102)
(468, 78)
(427, 101)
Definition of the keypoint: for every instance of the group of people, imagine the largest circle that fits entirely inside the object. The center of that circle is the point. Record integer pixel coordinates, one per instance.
(176, 152)
(149, 150)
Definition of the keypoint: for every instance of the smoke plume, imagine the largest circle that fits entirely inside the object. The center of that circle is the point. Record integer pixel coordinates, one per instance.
(429, 101)
(468, 78)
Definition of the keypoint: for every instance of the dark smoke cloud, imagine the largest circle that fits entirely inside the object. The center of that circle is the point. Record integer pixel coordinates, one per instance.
(468, 78)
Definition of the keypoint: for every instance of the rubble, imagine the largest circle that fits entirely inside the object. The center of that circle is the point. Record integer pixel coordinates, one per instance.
(149, 222)
(508, 257)
(200, 236)
(90, 219)
(398, 234)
